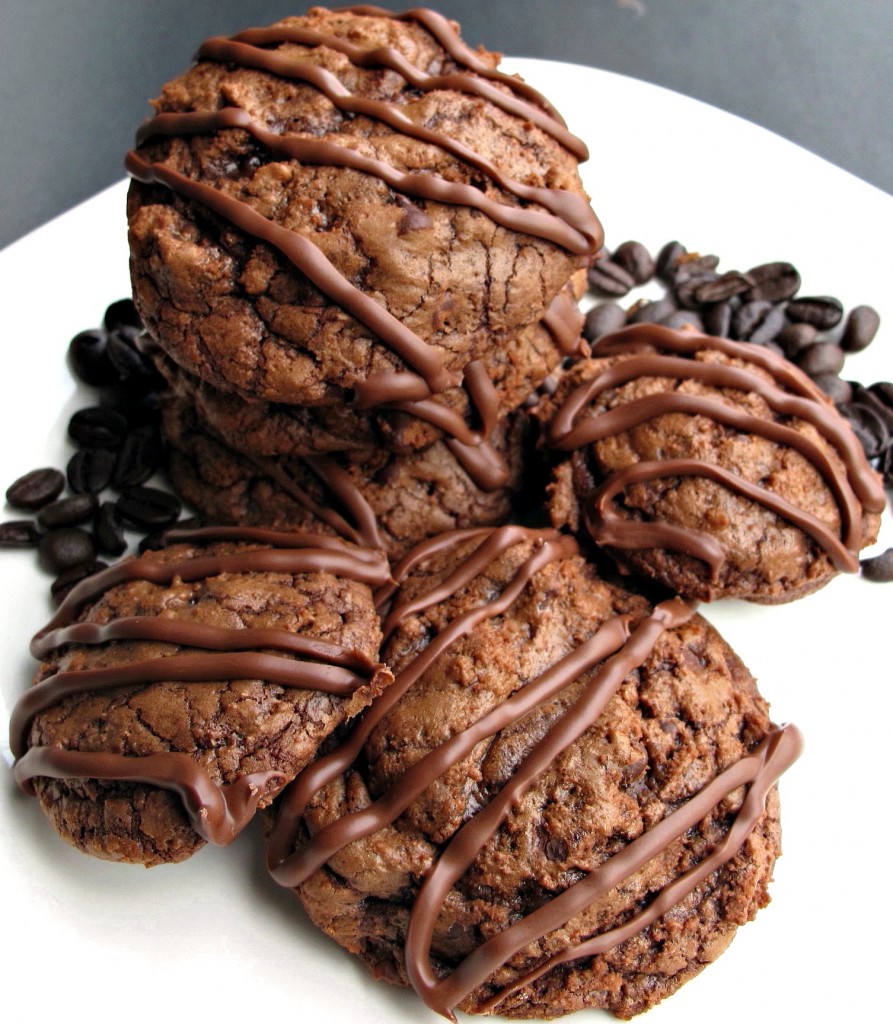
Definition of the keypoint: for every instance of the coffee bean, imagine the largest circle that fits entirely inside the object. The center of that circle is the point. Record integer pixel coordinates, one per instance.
(148, 508)
(693, 264)
(687, 289)
(823, 357)
(652, 311)
(766, 333)
(886, 467)
(773, 282)
(681, 319)
(880, 568)
(35, 489)
(62, 586)
(121, 314)
(63, 549)
(139, 458)
(868, 398)
(603, 319)
(608, 278)
(97, 427)
(668, 258)
(822, 311)
(636, 260)
(718, 319)
(860, 328)
(19, 533)
(839, 391)
(67, 511)
(136, 371)
(89, 361)
(795, 337)
(868, 427)
(90, 471)
(108, 531)
(749, 317)
(883, 391)
(723, 287)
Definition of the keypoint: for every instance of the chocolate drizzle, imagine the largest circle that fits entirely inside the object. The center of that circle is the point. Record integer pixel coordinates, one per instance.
(644, 353)
(212, 654)
(610, 654)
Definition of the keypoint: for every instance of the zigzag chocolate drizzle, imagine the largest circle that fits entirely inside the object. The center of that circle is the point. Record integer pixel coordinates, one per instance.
(215, 654)
(613, 651)
(790, 394)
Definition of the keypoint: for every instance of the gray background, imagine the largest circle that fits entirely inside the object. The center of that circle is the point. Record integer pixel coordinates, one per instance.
(75, 75)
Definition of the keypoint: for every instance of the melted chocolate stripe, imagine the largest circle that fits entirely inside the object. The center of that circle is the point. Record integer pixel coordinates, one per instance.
(551, 547)
(761, 771)
(206, 667)
(563, 321)
(309, 260)
(568, 206)
(450, 40)
(389, 57)
(425, 186)
(609, 526)
(384, 811)
(217, 812)
(342, 562)
(467, 843)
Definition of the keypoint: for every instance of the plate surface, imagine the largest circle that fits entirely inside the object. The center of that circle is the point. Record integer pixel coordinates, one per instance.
(213, 934)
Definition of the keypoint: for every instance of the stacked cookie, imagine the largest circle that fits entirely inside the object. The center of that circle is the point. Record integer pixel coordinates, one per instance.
(357, 246)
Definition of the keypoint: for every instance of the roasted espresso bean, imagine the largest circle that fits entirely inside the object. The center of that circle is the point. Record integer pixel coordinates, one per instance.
(723, 287)
(886, 467)
(748, 318)
(108, 531)
(773, 282)
(62, 586)
(823, 357)
(883, 391)
(636, 260)
(608, 278)
(718, 319)
(35, 489)
(19, 533)
(766, 333)
(880, 568)
(684, 318)
(654, 311)
(693, 264)
(839, 391)
(148, 508)
(794, 338)
(136, 371)
(868, 427)
(67, 512)
(90, 471)
(63, 549)
(687, 289)
(870, 399)
(860, 328)
(822, 311)
(603, 319)
(121, 314)
(668, 258)
(97, 427)
(139, 458)
(89, 360)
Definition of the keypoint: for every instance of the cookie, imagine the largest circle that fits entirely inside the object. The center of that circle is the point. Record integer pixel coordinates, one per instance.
(714, 467)
(351, 200)
(181, 690)
(376, 498)
(565, 800)
(257, 427)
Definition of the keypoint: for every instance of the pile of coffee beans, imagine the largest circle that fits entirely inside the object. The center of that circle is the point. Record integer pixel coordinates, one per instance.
(761, 306)
(85, 512)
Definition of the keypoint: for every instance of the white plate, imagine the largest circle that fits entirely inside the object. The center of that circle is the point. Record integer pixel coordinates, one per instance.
(212, 935)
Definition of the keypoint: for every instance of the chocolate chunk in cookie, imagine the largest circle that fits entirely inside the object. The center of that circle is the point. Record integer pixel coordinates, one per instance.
(181, 690)
(565, 800)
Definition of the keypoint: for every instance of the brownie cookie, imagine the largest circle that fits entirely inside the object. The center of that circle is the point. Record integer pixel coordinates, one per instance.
(181, 690)
(565, 800)
(351, 199)
(378, 499)
(714, 467)
(258, 427)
